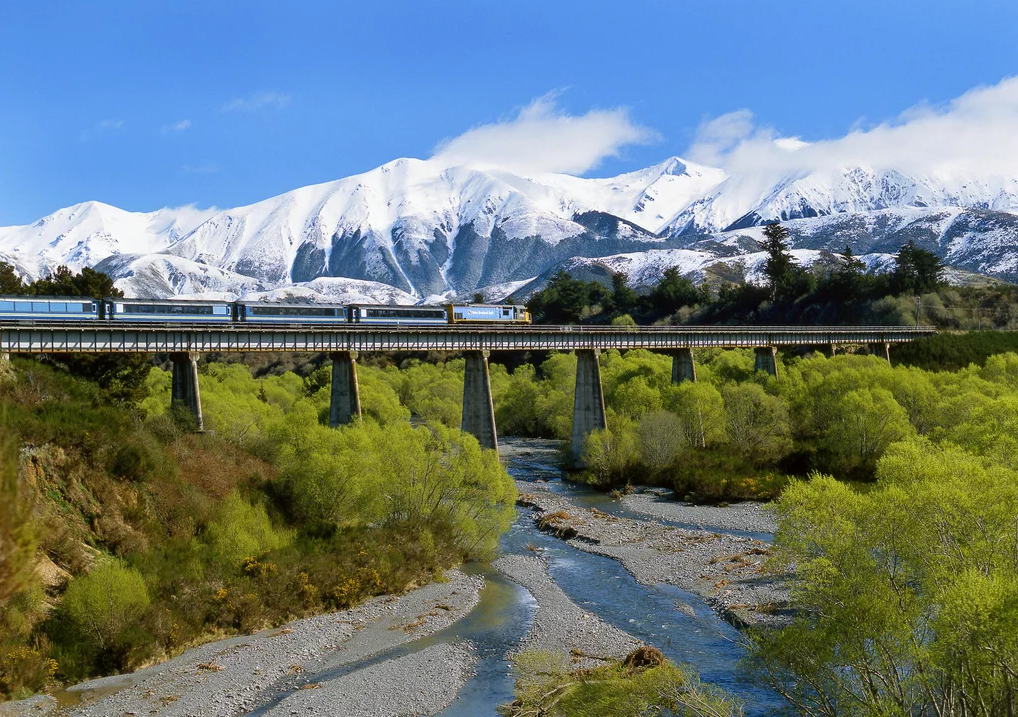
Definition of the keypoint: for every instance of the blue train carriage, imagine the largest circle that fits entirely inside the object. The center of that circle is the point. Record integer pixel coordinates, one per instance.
(162, 311)
(278, 313)
(487, 313)
(48, 308)
(399, 315)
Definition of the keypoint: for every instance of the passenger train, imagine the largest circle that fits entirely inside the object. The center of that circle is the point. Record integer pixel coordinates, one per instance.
(55, 308)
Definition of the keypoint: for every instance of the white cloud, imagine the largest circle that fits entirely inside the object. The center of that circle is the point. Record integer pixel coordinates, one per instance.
(257, 101)
(975, 134)
(541, 138)
(177, 127)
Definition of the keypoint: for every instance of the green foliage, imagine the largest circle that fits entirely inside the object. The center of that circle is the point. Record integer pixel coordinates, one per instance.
(906, 595)
(10, 280)
(865, 423)
(17, 529)
(954, 351)
(267, 516)
(757, 422)
(102, 610)
(610, 454)
(565, 299)
(916, 270)
(546, 686)
(240, 529)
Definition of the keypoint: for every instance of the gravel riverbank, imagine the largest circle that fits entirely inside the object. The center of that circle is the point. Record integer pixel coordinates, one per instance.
(748, 517)
(238, 675)
(726, 570)
(421, 683)
(560, 624)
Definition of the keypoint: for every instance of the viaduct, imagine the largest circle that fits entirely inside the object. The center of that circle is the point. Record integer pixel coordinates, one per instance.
(185, 343)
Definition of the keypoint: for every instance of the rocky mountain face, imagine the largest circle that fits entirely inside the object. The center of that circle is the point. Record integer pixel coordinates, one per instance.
(418, 230)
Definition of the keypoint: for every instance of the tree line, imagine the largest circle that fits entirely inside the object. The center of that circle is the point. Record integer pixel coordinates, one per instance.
(841, 290)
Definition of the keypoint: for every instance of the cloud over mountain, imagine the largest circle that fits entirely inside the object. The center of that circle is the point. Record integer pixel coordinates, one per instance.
(543, 138)
(972, 135)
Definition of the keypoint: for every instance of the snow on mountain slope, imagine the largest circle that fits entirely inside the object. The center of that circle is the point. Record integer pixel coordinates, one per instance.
(740, 202)
(87, 233)
(414, 224)
(419, 228)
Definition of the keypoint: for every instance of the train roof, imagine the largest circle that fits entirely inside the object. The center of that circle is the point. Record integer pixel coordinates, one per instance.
(490, 306)
(33, 297)
(168, 302)
(292, 303)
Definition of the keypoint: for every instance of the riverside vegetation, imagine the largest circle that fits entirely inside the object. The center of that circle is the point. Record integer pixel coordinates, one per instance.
(127, 538)
(896, 490)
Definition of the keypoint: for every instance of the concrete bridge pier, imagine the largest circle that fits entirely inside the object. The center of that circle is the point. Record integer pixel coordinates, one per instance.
(766, 360)
(830, 350)
(883, 350)
(683, 368)
(184, 389)
(345, 397)
(588, 401)
(478, 408)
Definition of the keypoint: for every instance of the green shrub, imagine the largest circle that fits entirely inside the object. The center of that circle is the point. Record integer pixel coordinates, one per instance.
(103, 609)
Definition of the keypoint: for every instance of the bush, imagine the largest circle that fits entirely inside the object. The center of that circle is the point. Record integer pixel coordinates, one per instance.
(103, 610)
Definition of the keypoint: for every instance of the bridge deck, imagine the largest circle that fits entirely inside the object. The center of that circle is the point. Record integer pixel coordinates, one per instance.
(79, 337)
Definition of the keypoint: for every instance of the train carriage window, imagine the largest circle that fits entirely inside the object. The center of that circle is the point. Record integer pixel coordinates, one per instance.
(6, 306)
(40, 306)
(292, 311)
(22, 305)
(60, 306)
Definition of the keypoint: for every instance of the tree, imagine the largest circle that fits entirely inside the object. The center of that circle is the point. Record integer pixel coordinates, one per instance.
(661, 439)
(608, 454)
(623, 297)
(905, 597)
(917, 270)
(780, 266)
(673, 292)
(758, 425)
(865, 422)
(564, 299)
(701, 410)
(103, 606)
(10, 280)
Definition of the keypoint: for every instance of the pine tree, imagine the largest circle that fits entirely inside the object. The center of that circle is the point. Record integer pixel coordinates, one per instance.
(850, 263)
(780, 266)
(917, 270)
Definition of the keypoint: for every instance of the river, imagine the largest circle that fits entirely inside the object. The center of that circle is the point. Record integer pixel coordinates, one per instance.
(659, 615)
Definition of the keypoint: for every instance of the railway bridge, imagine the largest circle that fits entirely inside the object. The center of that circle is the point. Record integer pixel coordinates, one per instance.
(186, 342)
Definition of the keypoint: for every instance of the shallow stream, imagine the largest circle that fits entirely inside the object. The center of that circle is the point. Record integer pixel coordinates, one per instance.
(678, 623)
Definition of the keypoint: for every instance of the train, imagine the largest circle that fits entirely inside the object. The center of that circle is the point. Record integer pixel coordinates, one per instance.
(66, 308)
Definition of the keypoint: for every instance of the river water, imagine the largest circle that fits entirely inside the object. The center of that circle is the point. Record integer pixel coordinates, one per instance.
(678, 623)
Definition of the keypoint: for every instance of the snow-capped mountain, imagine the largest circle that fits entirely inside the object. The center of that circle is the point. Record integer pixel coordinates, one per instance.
(415, 229)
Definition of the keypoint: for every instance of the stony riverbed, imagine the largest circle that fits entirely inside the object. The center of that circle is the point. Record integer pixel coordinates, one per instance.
(579, 574)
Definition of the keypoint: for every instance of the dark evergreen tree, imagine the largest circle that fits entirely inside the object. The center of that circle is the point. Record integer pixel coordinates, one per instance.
(780, 267)
(623, 297)
(673, 292)
(10, 281)
(916, 270)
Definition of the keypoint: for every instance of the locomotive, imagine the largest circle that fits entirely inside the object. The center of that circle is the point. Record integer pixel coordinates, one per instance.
(56, 308)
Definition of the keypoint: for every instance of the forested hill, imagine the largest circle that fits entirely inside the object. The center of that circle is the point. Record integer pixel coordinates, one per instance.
(913, 291)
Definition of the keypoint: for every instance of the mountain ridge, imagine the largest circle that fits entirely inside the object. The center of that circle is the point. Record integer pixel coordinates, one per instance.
(423, 229)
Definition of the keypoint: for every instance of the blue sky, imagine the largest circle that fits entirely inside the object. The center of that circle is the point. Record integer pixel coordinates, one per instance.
(158, 103)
